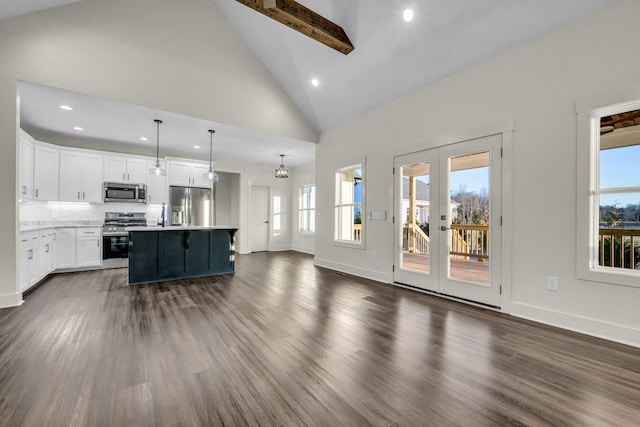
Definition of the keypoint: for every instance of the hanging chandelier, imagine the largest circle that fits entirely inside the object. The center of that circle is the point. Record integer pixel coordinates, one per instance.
(282, 172)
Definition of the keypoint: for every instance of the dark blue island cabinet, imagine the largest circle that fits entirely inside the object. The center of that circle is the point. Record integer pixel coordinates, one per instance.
(158, 254)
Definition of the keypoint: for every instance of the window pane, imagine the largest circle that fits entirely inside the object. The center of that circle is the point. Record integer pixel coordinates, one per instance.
(312, 197)
(619, 167)
(620, 210)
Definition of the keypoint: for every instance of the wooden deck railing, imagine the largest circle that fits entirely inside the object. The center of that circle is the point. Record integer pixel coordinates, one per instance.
(620, 247)
(357, 232)
(470, 241)
(414, 240)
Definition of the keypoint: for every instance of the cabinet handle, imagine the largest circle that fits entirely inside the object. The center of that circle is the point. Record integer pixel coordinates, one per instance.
(36, 192)
(47, 248)
(128, 177)
(78, 195)
(83, 195)
(24, 189)
(123, 177)
(30, 254)
(98, 242)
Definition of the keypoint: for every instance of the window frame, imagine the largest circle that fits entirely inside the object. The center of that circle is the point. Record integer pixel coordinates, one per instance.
(310, 210)
(589, 112)
(354, 164)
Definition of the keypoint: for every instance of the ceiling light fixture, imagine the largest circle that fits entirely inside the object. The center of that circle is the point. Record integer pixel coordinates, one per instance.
(282, 172)
(315, 82)
(142, 138)
(211, 175)
(407, 15)
(197, 147)
(157, 170)
(65, 107)
(78, 128)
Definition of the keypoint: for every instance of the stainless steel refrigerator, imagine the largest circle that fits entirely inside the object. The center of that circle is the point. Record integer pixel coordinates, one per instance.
(191, 206)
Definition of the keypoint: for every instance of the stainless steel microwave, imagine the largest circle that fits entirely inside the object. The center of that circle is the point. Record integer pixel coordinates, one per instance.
(127, 193)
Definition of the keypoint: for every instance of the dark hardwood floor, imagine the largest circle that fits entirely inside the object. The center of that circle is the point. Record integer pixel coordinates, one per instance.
(281, 342)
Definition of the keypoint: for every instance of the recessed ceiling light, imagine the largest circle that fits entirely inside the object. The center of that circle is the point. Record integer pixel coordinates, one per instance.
(142, 138)
(65, 107)
(77, 128)
(407, 15)
(315, 82)
(196, 146)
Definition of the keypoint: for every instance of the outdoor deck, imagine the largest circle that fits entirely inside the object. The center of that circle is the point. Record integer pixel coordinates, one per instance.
(470, 270)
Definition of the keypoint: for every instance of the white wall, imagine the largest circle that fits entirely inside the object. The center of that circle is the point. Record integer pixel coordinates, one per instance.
(227, 199)
(534, 87)
(182, 57)
(301, 175)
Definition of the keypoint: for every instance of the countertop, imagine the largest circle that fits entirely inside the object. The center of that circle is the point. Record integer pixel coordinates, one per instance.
(43, 225)
(183, 228)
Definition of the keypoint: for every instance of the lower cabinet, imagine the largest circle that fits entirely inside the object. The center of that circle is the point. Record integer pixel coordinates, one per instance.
(65, 248)
(88, 247)
(44, 251)
(29, 266)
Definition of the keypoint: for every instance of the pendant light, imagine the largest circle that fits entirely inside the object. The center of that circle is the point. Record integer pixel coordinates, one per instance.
(211, 175)
(282, 172)
(157, 170)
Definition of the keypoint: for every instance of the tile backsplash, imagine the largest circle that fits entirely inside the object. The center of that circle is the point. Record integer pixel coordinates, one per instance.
(45, 213)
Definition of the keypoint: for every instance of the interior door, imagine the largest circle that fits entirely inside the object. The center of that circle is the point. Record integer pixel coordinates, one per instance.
(259, 218)
(448, 214)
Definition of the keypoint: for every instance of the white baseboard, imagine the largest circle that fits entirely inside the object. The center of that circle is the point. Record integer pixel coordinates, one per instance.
(303, 250)
(11, 300)
(584, 325)
(356, 271)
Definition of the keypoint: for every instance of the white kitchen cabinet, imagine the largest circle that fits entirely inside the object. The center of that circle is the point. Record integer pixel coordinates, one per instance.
(45, 253)
(80, 177)
(45, 173)
(88, 247)
(65, 248)
(122, 169)
(26, 169)
(188, 174)
(156, 186)
(29, 266)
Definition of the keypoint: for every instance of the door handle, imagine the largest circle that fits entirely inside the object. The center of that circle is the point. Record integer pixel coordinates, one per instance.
(444, 228)
(266, 222)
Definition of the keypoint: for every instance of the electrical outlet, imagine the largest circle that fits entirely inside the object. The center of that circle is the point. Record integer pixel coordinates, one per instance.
(374, 255)
(552, 283)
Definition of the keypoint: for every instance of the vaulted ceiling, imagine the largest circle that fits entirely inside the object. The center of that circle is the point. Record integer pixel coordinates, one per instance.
(392, 57)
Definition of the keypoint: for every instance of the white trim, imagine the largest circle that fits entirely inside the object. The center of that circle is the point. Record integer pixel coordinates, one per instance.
(356, 271)
(303, 250)
(507, 219)
(11, 300)
(584, 325)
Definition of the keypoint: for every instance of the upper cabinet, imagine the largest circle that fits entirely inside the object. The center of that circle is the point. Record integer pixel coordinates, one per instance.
(45, 173)
(188, 174)
(26, 169)
(122, 169)
(80, 177)
(156, 186)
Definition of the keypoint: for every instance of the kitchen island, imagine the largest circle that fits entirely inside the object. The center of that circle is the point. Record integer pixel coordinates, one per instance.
(178, 252)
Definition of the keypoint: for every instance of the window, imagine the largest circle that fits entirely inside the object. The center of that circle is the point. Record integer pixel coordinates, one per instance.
(348, 207)
(617, 191)
(277, 213)
(307, 209)
(609, 194)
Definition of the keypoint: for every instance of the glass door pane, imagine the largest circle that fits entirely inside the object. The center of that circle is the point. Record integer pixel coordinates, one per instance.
(416, 245)
(469, 212)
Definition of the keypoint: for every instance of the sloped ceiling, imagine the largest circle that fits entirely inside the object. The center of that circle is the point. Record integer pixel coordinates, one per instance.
(393, 58)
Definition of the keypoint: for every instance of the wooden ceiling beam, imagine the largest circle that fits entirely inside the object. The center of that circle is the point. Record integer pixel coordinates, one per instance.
(303, 20)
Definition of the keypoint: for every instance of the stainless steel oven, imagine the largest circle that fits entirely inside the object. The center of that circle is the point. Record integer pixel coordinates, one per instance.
(115, 238)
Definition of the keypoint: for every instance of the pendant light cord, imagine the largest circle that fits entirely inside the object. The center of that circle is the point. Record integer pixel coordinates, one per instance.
(157, 140)
(211, 132)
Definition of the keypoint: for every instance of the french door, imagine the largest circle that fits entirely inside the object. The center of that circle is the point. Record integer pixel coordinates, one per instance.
(448, 219)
